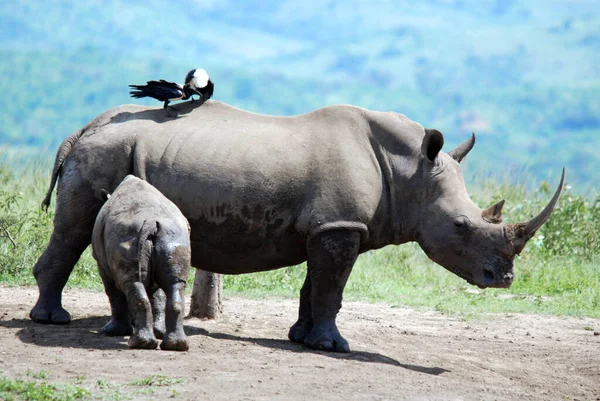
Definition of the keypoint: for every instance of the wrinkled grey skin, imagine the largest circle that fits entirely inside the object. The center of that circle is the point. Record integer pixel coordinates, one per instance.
(142, 244)
(263, 192)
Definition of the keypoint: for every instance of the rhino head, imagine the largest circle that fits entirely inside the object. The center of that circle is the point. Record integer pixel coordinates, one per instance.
(474, 244)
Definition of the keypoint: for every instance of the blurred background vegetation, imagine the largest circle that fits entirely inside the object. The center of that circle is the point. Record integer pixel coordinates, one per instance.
(525, 76)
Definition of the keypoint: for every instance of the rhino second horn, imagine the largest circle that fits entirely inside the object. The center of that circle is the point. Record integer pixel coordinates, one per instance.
(493, 214)
(460, 152)
(520, 233)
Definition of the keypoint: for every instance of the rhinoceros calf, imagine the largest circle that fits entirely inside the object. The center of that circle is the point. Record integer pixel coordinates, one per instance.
(264, 192)
(141, 242)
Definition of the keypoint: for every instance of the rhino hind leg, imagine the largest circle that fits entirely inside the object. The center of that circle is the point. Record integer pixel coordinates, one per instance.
(141, 312)
(51, 272)
(175, 338)
(158, 302)
(331, 256)
(73, 224)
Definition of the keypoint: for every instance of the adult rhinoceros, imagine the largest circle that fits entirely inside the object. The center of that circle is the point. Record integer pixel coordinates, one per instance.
(263, 192)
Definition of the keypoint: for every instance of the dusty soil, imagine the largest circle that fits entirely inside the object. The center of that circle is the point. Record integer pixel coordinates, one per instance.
(398, 354)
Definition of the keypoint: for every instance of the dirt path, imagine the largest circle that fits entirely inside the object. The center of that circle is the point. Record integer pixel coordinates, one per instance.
(398, 354)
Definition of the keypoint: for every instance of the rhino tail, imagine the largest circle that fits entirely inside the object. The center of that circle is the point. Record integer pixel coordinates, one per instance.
(146, 238)
(63, 151)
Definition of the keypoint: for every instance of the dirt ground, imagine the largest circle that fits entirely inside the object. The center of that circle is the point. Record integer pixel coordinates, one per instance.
(398, 354)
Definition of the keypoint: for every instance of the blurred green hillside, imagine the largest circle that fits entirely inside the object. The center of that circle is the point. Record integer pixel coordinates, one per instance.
(525, 76)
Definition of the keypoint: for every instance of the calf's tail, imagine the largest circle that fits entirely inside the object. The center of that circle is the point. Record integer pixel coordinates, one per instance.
(63, 151)
(146, 238)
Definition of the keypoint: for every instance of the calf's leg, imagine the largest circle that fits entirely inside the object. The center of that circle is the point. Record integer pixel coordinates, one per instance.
(158, 301)
(119, 324)
(172, 268)
(175, 338)
(141, 312)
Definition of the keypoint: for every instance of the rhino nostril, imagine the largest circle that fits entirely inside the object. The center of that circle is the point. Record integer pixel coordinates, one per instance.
(488, 275)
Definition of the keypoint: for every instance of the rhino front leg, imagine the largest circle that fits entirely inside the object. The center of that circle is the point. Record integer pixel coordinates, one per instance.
(331, 256)
(304, 325)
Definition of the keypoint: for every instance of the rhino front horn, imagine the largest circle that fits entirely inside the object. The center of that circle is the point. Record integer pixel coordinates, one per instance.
(520, 233)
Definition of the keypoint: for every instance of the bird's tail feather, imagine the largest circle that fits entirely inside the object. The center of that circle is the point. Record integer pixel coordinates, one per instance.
(138, 91)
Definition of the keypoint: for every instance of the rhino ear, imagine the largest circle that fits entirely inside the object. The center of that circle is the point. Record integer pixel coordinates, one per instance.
(461, 151)
(432, 143)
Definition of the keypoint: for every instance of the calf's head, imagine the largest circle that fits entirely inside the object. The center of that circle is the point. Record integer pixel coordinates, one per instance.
(473, 243)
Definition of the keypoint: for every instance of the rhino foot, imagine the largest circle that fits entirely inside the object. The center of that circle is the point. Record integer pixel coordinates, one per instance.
(326, 337)
(116, 328)
(159, 331)
(300, 330)
(174, 342)
(142, 340)
(46, 315)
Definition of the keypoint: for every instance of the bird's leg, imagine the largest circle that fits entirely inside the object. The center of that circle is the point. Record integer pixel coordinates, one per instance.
(167, 110)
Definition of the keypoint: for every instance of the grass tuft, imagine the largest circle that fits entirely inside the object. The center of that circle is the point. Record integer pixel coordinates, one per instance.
(156, 381)
(16, 389)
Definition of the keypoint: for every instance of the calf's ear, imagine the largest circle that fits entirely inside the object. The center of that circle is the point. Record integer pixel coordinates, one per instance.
(104, 194)
(432, 143)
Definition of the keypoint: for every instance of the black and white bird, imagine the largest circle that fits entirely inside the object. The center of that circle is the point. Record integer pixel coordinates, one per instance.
(201, 82)
(197, 82)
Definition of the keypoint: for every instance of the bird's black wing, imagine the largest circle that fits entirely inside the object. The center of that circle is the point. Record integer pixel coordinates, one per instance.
(160, 90)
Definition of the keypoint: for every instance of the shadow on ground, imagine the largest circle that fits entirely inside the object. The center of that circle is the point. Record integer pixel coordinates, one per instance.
(85, 333)
(359, 356)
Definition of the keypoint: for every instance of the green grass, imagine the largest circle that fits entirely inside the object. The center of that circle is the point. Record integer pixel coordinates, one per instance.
(557, 273)
(38, 387)
(31, 390)
(156, 381)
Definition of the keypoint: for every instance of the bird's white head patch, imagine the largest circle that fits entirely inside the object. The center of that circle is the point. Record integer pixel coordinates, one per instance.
(200, 78)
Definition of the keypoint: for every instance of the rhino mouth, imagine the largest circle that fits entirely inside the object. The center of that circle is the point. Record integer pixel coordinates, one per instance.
(487, 277)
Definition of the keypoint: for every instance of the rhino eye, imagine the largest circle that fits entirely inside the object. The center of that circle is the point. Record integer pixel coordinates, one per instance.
(461, 222)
